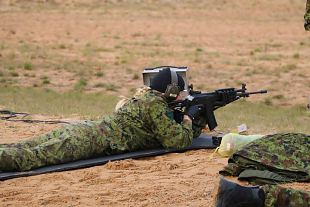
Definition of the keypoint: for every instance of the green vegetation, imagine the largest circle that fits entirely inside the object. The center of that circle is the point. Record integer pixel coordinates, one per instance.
(99, 74)
(270, 57)
(261, 118)
(296, 56)
(14, 74)
(287, 68)
(80, 84)
(135, 77)
(111, 87)
(43, 101)
(46, 81)
(28, 66)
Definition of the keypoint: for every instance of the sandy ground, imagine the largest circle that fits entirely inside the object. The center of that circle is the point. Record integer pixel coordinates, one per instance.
(176, 179)
(224, 42)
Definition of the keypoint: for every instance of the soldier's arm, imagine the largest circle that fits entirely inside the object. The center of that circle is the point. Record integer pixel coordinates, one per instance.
(167, 130)
(198, 125)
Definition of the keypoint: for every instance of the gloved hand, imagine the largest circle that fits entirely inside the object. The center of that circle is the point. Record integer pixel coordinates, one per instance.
(178, 116)
(194, 112)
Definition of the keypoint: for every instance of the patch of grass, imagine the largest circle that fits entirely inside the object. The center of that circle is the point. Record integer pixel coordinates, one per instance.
(135, 77)
(1, 74)
(242, 63)
(88, 50)
(302, 75)
(252, 72)
(302, 43)
(11, 67)
(2, 46)
(258, 49)
(28, 66)
(275, 45)
(99, 85)
(12, 55)
(137, 34)
(45, 80)
(129, 70)
(209, 66)
(296, 56)
(263, 118)
(102, 49)
(288, 68)
(279, 97)
(270, 57)
(268, 101)
(41, 101)
(80, 84)
(99, 74)
(14, 74)
(111, 87)
(24, 48)
(118, 46)
(199, 49)
(62, 46)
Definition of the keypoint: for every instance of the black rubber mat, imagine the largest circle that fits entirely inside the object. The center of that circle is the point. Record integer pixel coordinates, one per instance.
(202, 142)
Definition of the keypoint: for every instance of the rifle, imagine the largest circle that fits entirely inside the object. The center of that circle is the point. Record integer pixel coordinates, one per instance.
(209, 102)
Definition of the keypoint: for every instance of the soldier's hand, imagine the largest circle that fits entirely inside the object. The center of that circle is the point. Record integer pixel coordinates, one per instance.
(187, 120)
(194, 112)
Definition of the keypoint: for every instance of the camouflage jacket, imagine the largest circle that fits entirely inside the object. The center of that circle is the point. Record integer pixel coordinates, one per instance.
(272, 159)
(145, 122)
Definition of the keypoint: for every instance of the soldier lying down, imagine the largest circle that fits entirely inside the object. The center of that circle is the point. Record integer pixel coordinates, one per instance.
(143, 122)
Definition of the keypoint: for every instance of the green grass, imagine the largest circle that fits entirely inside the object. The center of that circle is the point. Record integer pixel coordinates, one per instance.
(41, 101)
(261, 118)
(80, 84)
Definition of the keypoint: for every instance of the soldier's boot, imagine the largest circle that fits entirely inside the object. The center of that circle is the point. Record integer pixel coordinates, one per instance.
(233, 195)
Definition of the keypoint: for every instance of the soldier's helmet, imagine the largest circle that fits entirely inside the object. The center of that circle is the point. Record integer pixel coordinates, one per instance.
(167, 81)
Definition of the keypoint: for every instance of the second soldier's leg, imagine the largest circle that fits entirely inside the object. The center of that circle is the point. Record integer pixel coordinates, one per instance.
(280, 196)
(74, 142)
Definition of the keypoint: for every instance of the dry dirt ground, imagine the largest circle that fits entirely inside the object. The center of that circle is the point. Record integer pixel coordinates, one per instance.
(54, 44)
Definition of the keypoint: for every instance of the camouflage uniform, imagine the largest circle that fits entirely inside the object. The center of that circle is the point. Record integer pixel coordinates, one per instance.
(307, 16)
(278, 158)
(144, 122)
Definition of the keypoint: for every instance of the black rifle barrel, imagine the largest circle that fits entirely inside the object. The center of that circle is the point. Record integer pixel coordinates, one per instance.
(256, 92)
(246, 94)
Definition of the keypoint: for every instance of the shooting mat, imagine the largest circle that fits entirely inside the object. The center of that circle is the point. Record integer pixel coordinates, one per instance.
(202, 142)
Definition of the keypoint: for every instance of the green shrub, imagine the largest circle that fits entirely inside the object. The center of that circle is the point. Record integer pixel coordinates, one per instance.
(14, 74)
(99, 74)
(28, 66)
(80, 84)
(135, 77)
(45, 81)
(296, 56)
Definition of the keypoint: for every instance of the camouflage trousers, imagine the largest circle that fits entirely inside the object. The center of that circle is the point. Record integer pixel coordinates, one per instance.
(280, 196)
(73, 142)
